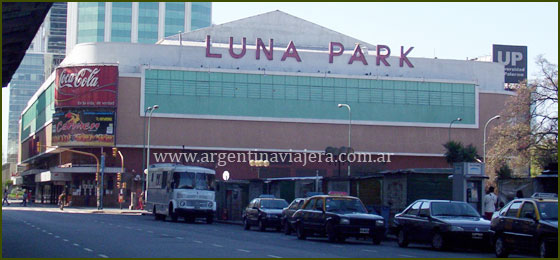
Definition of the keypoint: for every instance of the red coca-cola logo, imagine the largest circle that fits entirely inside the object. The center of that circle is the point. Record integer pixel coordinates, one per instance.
(85, 77)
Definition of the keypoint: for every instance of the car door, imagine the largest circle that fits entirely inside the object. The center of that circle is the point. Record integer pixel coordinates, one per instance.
(510, 220)
(423, 225)
(411, 222)
(252, 212)
(527, 228)
(307, 214)
(318, 215)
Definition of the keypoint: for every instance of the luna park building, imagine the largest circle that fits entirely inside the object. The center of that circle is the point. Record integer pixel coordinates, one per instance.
(267, 85)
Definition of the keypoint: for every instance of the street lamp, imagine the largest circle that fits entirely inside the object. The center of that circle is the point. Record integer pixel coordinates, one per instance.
(484, 145)
(449, 130)
(144, 147)
(349, 128)
(151, 109)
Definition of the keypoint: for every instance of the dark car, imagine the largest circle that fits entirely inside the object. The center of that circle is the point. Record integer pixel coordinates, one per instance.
(527, 225)
(337, 217)
(264, 212)
(441, 223)
(287, 215)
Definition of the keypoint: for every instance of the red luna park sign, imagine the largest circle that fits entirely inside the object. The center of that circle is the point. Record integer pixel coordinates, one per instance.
(335, 49)
(86, 86)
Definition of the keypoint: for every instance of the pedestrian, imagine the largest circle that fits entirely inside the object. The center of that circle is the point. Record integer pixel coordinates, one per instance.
(62, 200)
(5, 199)
(29, 200)
(141, 201)
(519, 194)
(489, 203)
(24, 202)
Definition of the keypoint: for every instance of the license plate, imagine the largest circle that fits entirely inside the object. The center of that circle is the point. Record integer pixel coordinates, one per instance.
(477, 235)
(364, 230)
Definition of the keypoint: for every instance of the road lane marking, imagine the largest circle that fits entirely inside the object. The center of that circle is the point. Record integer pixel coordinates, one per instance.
(87, 249)
(243, 250)
(56, 236)
(44, 231)
(76, 244)
(216, 245)
(339, 246)
(103, 256)
(274, 256)
(149, 231)
(367, 250)
(165, 235)
(65, 240)
(50, 233)
(196, 241)
(179, 238)
(407, 256)
(139, 229)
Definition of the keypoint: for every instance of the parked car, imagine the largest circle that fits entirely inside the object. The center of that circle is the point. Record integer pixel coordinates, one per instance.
(264, 212)
(337, 217)
(441, 223)
(287, 215)
(527, 225)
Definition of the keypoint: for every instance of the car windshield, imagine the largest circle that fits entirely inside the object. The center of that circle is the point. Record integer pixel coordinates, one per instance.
(548, 210)
(453, 209)
(190, 180)
(273, 204)
(345, 205)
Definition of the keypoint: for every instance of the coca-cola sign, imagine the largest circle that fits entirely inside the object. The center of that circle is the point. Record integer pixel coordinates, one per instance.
(86, 86)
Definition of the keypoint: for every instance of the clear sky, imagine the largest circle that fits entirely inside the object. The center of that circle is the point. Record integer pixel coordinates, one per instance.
(444, 30)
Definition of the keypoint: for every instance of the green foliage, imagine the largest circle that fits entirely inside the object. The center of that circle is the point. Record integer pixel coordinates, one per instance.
(456, 152)
(504, 172)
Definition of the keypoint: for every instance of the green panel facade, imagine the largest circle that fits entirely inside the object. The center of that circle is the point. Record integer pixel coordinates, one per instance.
(305, 97)
(91, 22)
(39, 113)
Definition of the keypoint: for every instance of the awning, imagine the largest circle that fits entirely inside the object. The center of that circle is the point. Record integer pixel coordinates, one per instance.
(52, 176)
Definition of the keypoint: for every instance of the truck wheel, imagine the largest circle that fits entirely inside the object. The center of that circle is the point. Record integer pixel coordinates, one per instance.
(189, 219)
(209, 219)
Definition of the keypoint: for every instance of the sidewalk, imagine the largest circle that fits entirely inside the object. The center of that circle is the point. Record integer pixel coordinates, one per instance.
(16, 205)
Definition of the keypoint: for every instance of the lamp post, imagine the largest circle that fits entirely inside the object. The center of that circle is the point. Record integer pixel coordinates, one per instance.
(144, 148)
(349, 128)
(484, 141)
(449, 130)
(151, 109)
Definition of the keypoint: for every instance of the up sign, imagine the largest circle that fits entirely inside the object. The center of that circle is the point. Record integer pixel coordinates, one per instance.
(514, 59)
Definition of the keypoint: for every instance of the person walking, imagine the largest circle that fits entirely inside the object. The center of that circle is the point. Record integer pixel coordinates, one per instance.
(489, 203)
(24, 202)
(62, 200)
(5, 199)
(141, 201)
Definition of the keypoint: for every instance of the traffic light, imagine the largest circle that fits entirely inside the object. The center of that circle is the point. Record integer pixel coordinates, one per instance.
(124, 185)
(38, 147)
(115, 151)
(119, 177)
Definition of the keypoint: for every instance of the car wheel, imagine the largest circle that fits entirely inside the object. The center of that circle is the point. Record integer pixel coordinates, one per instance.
(331, 232)
(437, 241)
(300, 231)
(287, 229)
(262, 227)
(172, 214)
(402, 239)
(246, 224)
(500, 247)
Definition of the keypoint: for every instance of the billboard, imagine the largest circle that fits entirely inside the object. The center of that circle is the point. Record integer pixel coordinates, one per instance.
(86, 86)
(83, 128)
(514, 59)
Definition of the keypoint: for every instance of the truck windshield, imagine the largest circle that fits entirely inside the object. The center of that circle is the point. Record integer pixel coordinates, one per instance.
(191, 180)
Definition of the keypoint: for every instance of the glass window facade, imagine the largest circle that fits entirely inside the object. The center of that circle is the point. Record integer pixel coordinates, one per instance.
(286, 96)
(39, 113)
(201, 14)
(91, 22)
(148, 22)
(121, 22)
(174, 18)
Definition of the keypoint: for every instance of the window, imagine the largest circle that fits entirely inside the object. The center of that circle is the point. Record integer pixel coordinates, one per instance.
(164, 180)
(319, 204)
(528, 210)
(425, 209)
(414, 209)
(512, 211)
(310, 204)
(300, 204)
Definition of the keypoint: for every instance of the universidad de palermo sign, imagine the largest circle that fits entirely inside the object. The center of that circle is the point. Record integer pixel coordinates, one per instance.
(383, 52)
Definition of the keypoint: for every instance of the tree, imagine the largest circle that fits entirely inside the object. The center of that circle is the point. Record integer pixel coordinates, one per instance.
(456, 152)
(528, 133)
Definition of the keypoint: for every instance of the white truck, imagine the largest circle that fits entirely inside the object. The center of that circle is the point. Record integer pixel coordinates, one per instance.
(177, 190)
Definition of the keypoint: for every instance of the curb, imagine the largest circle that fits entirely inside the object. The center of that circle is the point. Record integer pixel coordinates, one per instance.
(229, 222)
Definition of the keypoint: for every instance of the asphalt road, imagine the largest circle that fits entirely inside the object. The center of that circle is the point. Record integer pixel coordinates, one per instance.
(29, 234)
